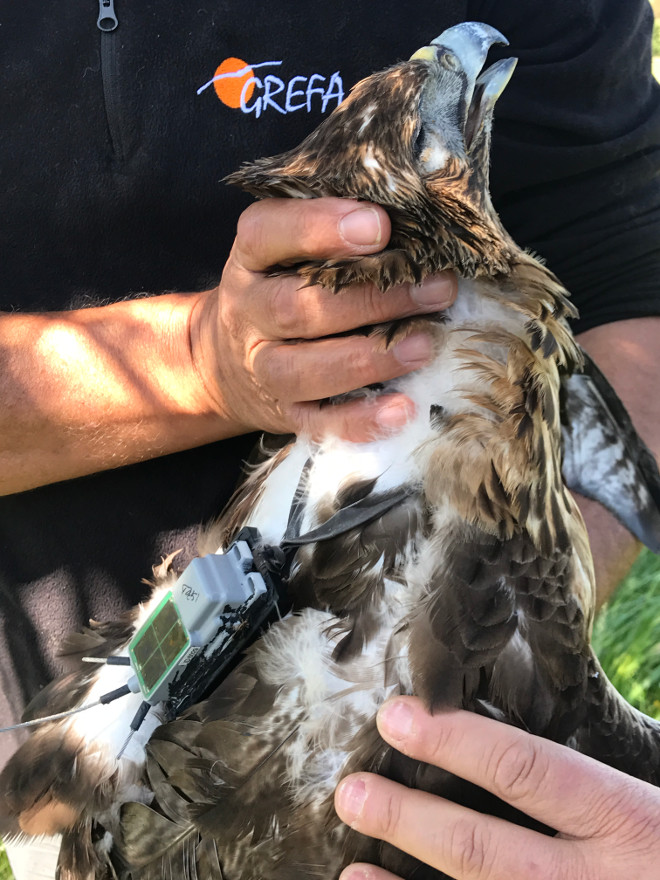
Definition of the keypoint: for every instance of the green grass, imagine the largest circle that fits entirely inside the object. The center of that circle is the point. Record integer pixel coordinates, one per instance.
(627, 631)
(5, 870)
(627, 636)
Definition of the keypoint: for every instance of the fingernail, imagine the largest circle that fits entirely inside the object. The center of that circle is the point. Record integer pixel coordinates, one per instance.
(356, 873)
(395, 719)
(414, 350)
(395, 414)
(361, 227)
(351, 795)
(438, 291)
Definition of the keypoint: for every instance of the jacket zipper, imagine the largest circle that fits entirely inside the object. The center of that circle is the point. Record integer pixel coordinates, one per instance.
(107, 20)
(107, 23)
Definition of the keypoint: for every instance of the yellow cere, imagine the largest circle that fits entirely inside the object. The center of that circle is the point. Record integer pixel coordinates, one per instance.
(427, 53)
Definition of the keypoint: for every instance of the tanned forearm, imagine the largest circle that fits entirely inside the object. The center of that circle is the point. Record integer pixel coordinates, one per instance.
(87, 390)
(628, 353)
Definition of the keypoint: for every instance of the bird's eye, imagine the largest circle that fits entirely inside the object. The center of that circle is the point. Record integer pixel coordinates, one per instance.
(449, 60)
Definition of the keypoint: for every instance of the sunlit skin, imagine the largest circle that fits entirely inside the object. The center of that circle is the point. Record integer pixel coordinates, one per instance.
(88, 390)
(93, 389)
(85, 391)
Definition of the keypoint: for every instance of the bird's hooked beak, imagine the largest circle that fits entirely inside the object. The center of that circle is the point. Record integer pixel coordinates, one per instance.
(463, 49)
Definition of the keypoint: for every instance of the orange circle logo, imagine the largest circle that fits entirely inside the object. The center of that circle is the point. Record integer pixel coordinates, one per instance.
(229, 81)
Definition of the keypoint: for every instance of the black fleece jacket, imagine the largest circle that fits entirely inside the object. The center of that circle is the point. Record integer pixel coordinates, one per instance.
(113, 145)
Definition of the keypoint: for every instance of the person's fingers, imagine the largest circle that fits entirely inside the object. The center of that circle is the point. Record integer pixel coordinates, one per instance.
(282, 309)
(358, 421)
(268, 349)
(280, 231)
(330, 367)
(558, 786)
(362, 871)
(460, 842)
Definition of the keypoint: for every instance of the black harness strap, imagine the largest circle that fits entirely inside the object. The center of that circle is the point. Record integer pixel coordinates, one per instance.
(357, 514)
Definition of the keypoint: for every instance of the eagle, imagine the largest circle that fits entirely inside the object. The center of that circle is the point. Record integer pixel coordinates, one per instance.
(448, 560)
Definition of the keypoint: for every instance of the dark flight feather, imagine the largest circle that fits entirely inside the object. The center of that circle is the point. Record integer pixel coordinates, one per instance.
(474, 590)
(603, 456)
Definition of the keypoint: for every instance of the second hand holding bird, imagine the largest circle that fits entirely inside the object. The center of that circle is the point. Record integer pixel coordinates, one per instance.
(609, 821)
(268, 350)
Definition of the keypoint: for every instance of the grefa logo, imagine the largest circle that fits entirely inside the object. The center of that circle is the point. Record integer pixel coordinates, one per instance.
(238, 86)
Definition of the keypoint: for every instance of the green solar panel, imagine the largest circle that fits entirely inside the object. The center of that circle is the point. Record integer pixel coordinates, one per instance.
(158, 646)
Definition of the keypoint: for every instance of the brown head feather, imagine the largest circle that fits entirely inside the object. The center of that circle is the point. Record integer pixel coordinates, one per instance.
(437, 222)
(475, 591)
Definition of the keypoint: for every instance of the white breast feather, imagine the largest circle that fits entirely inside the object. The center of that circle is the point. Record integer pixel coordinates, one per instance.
(318, 751)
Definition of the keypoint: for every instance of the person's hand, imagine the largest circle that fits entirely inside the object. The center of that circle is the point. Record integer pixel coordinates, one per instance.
(256, 339)
(608, 823)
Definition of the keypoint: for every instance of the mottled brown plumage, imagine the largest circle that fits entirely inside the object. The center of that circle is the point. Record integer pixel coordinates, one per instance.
(476, 590)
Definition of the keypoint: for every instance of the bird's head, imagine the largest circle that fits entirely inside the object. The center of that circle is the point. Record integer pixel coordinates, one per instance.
(415, 139)
(456, 103)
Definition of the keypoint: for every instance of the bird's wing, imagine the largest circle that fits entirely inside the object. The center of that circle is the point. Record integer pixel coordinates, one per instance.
(616, 733)
(604, 457)
(224, 803)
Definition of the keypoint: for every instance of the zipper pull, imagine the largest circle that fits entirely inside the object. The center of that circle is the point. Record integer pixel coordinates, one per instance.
(107, 20)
